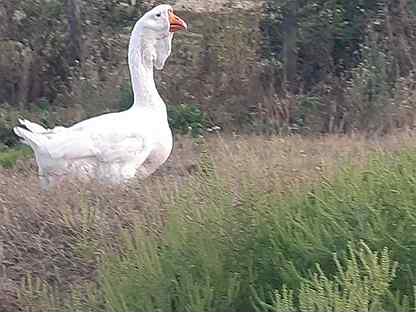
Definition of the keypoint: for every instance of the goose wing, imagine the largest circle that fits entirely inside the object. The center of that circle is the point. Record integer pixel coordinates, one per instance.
(101, 139)
(107, 146)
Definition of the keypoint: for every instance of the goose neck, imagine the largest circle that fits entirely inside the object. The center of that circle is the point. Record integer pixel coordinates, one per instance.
(141, 72)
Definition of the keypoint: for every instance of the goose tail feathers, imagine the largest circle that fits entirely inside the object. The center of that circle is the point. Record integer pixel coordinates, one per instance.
(31, 126)
(30, 134)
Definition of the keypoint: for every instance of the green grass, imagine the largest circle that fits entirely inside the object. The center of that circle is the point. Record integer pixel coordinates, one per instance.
(224, 250)
(9, 157)
(361, 284)
(343, 244)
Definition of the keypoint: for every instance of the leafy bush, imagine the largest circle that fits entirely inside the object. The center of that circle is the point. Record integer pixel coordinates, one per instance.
(185, 118)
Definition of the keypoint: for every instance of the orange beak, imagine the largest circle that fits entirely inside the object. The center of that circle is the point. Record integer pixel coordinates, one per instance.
(176, 23)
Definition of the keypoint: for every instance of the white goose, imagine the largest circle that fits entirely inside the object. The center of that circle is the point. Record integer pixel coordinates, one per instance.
(114, 147)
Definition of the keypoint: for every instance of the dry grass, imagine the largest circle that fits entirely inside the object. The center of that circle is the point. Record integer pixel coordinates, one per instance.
(58, 235)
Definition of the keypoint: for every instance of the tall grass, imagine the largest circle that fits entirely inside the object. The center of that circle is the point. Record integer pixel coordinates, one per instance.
(254, 226)
(219, 244)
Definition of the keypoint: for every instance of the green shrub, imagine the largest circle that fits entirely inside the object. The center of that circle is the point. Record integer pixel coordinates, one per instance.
(185, 118)
(361, 284)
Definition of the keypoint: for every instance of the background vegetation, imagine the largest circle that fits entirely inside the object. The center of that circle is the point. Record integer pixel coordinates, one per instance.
(325, 66)
(233, 222)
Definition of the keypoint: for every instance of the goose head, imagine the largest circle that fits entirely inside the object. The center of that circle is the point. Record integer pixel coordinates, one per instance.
(156, 28)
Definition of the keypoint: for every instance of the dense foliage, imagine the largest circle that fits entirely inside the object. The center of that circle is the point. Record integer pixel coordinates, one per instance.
(320, 66)
(351, 55)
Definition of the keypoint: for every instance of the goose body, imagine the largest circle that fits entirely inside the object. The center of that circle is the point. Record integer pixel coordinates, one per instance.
(115, 147)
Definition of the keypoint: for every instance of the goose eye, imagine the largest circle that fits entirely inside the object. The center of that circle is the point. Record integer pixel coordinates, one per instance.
(158, 14)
